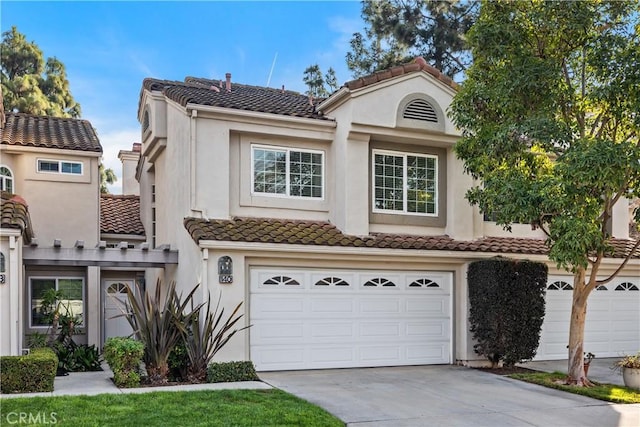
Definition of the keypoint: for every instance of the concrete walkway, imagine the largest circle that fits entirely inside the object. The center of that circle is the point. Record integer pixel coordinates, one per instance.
(92, 383)
(600, 370)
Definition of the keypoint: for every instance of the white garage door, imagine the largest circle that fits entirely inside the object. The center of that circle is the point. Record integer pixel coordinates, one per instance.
(313, 319)
(613, 319)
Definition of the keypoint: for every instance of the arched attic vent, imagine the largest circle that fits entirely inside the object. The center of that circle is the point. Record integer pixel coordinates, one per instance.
(420, 111)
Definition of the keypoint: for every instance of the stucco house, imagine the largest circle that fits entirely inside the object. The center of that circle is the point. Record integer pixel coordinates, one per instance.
(341, 223)
(58, 232)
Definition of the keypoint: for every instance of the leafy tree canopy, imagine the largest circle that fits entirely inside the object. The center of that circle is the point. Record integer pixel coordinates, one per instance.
(399, 30)
(31, 84)
(549, 114)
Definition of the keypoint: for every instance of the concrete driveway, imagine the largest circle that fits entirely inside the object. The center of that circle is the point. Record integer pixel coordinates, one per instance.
(445, 396)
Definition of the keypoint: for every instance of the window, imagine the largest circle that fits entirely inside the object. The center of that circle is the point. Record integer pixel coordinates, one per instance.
(73, 302)
(55, 166)
(6, 179)
(405, 183)
(287, 172)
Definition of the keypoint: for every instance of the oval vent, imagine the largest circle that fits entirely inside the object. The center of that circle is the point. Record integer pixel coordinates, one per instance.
(420, 110)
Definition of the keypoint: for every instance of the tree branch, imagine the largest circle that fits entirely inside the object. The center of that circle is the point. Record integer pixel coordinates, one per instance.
(634, 248)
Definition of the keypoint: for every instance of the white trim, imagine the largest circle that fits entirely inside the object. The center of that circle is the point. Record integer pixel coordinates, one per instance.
(404, 156)
(59, 171)
(287, 151)
(56, 278)
(4, 178)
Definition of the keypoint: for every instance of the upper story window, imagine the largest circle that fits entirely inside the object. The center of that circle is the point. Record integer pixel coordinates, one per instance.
(405, 183)
(6, 179)
(59, 166)
(287, 172)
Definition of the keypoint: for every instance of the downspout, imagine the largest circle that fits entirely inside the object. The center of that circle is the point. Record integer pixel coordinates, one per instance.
(192, 161)
(14, 296)
(205, 274)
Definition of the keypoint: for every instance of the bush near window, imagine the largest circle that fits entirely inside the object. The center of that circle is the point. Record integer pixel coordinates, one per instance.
(225, 372)
(124, 356)
(507, 307)
(32, 373)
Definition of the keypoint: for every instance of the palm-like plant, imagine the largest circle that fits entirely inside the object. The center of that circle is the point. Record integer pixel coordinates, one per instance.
(207, 332)
(159, 323)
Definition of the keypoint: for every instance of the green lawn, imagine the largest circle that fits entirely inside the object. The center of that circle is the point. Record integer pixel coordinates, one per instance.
(196, 408)
(607, 392)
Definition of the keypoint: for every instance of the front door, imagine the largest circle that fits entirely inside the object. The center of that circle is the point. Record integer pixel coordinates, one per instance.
(114, 293)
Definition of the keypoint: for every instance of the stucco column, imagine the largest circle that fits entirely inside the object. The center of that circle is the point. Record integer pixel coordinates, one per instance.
(459, 211)
(353, 160)
(620, 219)
(14, 284)
(93, 318)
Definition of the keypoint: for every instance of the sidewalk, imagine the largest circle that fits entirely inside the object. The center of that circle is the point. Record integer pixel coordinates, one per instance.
(92, 383)
(600, 370)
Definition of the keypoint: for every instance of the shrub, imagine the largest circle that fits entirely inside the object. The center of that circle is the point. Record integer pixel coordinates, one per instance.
(124, 356)
(32, 373)
(207, 333)
(231, 372)
(78, 358)
(506, 308)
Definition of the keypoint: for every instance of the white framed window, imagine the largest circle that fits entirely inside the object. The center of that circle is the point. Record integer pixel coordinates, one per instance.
(6, 179)
(287, 172)
(73, 303)
(59, 166)
(405, 183)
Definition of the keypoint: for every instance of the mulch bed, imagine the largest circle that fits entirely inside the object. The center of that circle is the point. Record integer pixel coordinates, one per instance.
(507, 371)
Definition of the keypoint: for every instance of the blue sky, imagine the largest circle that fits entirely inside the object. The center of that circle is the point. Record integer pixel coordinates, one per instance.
(108, 48)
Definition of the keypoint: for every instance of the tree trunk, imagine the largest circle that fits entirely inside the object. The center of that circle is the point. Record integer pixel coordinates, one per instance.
(576, 374)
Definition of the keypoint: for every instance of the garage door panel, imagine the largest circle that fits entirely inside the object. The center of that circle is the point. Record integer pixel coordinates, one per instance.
(332, 320)
(428, 305)
(629, 304)
(379, 306)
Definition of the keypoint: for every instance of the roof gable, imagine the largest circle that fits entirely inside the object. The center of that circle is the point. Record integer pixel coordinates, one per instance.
(50, 132)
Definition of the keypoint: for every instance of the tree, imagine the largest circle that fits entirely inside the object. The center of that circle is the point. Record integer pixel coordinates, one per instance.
(550, 127)
(29, 83)
(320, 86)
(107, 176)
(398, 30)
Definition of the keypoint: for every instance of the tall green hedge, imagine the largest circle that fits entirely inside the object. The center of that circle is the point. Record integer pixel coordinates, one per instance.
(32, 373)
(507, 305)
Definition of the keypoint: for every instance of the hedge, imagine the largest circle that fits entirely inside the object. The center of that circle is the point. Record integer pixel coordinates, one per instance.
(507, 307)
(31, 373)
(231, 372)
(124, 356)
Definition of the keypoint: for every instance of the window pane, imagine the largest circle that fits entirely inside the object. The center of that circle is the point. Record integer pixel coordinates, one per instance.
(45, 166)
(387, 178)
(269, 171)
(420, 184)
(74, 168)
(305, 174)
(72, 291)
(39, 314)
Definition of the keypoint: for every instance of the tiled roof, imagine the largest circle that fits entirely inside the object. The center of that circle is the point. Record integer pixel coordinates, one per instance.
(325, 234)
(241, 97)
(120, 215)
(14, 213)
(50, 132)
(418, 64)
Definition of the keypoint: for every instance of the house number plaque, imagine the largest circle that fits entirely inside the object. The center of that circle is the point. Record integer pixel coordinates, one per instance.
(225, 269)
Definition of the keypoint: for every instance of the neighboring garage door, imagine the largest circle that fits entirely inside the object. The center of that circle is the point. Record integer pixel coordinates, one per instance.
(313, 319)
(613, 319)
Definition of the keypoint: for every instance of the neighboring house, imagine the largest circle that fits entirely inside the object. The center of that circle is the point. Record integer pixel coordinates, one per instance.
(341, 223)
(59, 233)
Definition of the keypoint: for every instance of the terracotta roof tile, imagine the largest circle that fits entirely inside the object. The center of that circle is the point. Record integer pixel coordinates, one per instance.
(242, 97)
(14, 213)
(120, 215)
(418, 64)
(50, 132)
(293, 232)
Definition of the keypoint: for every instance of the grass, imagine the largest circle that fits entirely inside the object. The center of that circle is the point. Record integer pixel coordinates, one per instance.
(195, 408)
(607, 392)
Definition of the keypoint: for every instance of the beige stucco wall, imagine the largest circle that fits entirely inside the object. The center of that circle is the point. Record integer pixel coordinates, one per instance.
(11, 293)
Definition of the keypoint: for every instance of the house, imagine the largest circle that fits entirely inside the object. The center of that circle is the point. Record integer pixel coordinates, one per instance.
(58, 232)
(341, 223)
